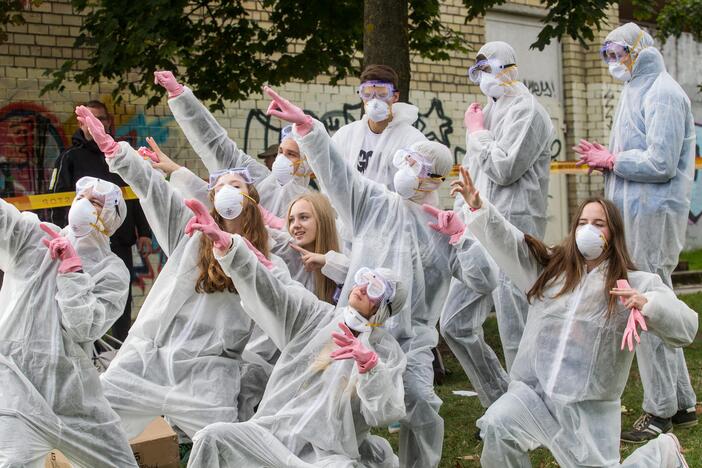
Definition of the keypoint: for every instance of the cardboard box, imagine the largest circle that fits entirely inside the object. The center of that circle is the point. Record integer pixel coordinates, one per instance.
(157, 446)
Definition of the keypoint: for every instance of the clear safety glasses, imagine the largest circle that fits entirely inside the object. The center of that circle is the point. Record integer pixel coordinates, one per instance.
(417, 163)
(107, 192)
(240, 171)
(376, 89)
(614, 52)
(490, 66)
(377, 287)
(286, 132)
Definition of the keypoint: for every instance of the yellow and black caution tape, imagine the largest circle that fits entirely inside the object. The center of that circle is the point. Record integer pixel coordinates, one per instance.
(56, 200)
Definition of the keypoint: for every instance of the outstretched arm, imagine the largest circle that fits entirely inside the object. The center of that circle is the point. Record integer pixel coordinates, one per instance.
(20, 236)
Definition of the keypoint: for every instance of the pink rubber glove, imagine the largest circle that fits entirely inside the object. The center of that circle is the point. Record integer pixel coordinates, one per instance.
(594, 155)
(168, 81)
(261, 258)
(448, 222)
(350, 347)
(473, 118)
(61, 248)
(205, 223)
(271, 220)
(635, 318)
(285, 110)
(105, 142)
(146, 153)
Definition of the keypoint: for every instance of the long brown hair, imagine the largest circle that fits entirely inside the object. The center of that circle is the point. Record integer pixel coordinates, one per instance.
(212, 278)
(327, 238)
(565, 260)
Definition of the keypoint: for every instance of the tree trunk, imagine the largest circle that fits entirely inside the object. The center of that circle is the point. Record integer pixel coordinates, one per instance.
(386, 38)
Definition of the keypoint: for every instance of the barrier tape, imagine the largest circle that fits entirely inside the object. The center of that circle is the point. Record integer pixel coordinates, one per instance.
(56, 200)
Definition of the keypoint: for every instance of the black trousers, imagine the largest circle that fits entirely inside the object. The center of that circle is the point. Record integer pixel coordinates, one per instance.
(121, 327)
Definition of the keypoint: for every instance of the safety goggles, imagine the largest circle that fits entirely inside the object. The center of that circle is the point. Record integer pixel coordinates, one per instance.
(378, 289)
(376, 89)
(286, 132)
(418, 164)
(240, 171)
(614, 52)
(105, 191)
(490, 66)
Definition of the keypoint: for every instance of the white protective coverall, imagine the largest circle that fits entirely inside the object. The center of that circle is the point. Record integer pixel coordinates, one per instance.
(316, 411)
(392, 232)
(569, 373)
(217, 151)
(397, 135)
(182, 358)
(653, 140)
(509, 162)
(50, 394)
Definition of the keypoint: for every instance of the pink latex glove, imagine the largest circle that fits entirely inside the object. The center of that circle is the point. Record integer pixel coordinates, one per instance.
(473, 118)
(285, 110)
(61, 248)
(594, 155)
(448, 222)
(271, 220)
(105, 142)
(261, 258)
(350, 347)
(205, 223)
(168, 81)
(635, 318)
(146, 153)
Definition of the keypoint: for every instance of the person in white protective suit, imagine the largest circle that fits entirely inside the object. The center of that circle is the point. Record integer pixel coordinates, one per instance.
(570, 371)
(649, 168)
(182, 358)
(319, 404)
(290, 176)
(391, 229)
(62, 290)
(508, 153)
(370, 143)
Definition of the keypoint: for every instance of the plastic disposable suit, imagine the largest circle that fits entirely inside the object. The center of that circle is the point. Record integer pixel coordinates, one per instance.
(509, 160)
(653, 140)
(50, 395)
(392, 232)
(182, 358)
(569, 373)
(217, 151)
(397, 135)
(316, 411)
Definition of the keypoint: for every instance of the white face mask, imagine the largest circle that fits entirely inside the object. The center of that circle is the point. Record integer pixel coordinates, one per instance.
(590, 241)
(406, 183)
(619, 71)
(82, 217)
(283, 169)
(377, 110)
(355, 321)
(491, 86)
(229, 202)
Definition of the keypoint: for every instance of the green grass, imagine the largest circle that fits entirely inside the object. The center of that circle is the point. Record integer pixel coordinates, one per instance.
(461, 449)
(693, 258)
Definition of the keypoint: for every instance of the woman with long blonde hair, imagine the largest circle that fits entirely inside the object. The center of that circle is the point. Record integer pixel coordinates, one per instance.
(182, 358)
(586, 303)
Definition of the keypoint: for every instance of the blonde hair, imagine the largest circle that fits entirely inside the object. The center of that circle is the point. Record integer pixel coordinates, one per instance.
(212, 278)
(327, 238)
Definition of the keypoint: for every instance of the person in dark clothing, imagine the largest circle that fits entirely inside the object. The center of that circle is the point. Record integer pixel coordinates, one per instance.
(84, 158)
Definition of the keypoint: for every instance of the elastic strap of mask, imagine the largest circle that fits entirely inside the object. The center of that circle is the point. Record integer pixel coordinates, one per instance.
(429, 180)
(635, 53)
(101, 227)
(254, 201)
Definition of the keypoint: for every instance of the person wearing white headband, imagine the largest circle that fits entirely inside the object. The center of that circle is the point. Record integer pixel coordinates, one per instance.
(62, 289)
(648, 169)
(192, 329)
(339, 373)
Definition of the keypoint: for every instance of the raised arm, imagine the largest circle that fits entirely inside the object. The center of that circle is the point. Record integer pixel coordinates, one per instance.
(190, 185)
(20, 236)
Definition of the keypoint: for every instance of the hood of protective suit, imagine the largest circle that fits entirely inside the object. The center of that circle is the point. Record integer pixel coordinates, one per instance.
(633, 36)
(401, 113)
(504, 52)
(441, 163)
(649, 63)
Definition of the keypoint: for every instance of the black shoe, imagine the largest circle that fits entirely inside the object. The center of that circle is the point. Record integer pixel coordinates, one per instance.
(685, 418)
(646, 428)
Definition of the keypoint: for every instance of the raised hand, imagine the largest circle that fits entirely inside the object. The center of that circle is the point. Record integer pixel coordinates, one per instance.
(159, 159)
(168, 81)
(473, 119)
(350, 347)
(205, 223)
(285, 110)
(464, 185)
(448, 222)
(105, 142)
(61, 248)
(311, 260)
(634, 301)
